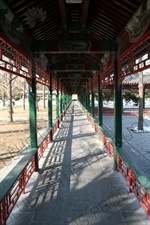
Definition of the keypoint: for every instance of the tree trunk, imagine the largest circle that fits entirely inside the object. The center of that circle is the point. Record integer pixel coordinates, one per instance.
(24, 91)
(37, 106)
(3, 97)
(10, 108)
(44, 97)
(140, 119)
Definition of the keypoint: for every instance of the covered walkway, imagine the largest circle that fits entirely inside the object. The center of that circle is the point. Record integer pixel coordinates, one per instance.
(76, 183)
(70, 173)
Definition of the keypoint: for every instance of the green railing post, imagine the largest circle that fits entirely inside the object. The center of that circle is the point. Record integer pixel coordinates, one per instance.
(88, 102)
(92, 101)
(70, 98)
(50, 109)
(32, 117)
(81, 99)
(117, 112)
(92, 105)
(84, 100)
(50, 116)
(67, 100)
(100, 103)
(57, 104)
(64, 102)
(61, 103)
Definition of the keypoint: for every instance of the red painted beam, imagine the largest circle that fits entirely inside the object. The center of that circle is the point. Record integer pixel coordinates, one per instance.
(21, 74)
(80, 46)
(63, 13)
(74, 76)
(84, 12)
(74, 67)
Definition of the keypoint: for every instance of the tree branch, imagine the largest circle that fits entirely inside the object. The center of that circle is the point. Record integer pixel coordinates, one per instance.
(3, 85)
(14, 78)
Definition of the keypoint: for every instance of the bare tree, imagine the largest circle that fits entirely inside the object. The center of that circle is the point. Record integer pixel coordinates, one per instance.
(22, 83)
(3, 96)
(9, 94)
(7, 83)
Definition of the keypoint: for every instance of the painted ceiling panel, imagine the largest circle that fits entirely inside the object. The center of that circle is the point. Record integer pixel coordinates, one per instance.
(72, 21)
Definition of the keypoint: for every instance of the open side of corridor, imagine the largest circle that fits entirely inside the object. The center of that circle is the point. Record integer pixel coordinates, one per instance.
(76, 183)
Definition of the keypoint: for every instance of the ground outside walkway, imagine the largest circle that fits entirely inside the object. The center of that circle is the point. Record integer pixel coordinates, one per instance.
(76, 184)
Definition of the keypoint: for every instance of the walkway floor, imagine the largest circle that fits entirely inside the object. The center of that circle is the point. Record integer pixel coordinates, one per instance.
(76, 184)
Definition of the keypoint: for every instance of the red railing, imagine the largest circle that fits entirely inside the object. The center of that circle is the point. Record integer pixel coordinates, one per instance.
(103, 138)
(18, 188)
(96, 128)
(43, 146)
(134, 186)
(107, 144)
(110, 149)
(55, 127)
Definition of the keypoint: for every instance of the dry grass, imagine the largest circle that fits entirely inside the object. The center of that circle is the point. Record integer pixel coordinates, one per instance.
(15, 135)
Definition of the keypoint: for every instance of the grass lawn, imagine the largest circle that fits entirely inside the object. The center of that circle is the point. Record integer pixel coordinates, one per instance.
(15, 135)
